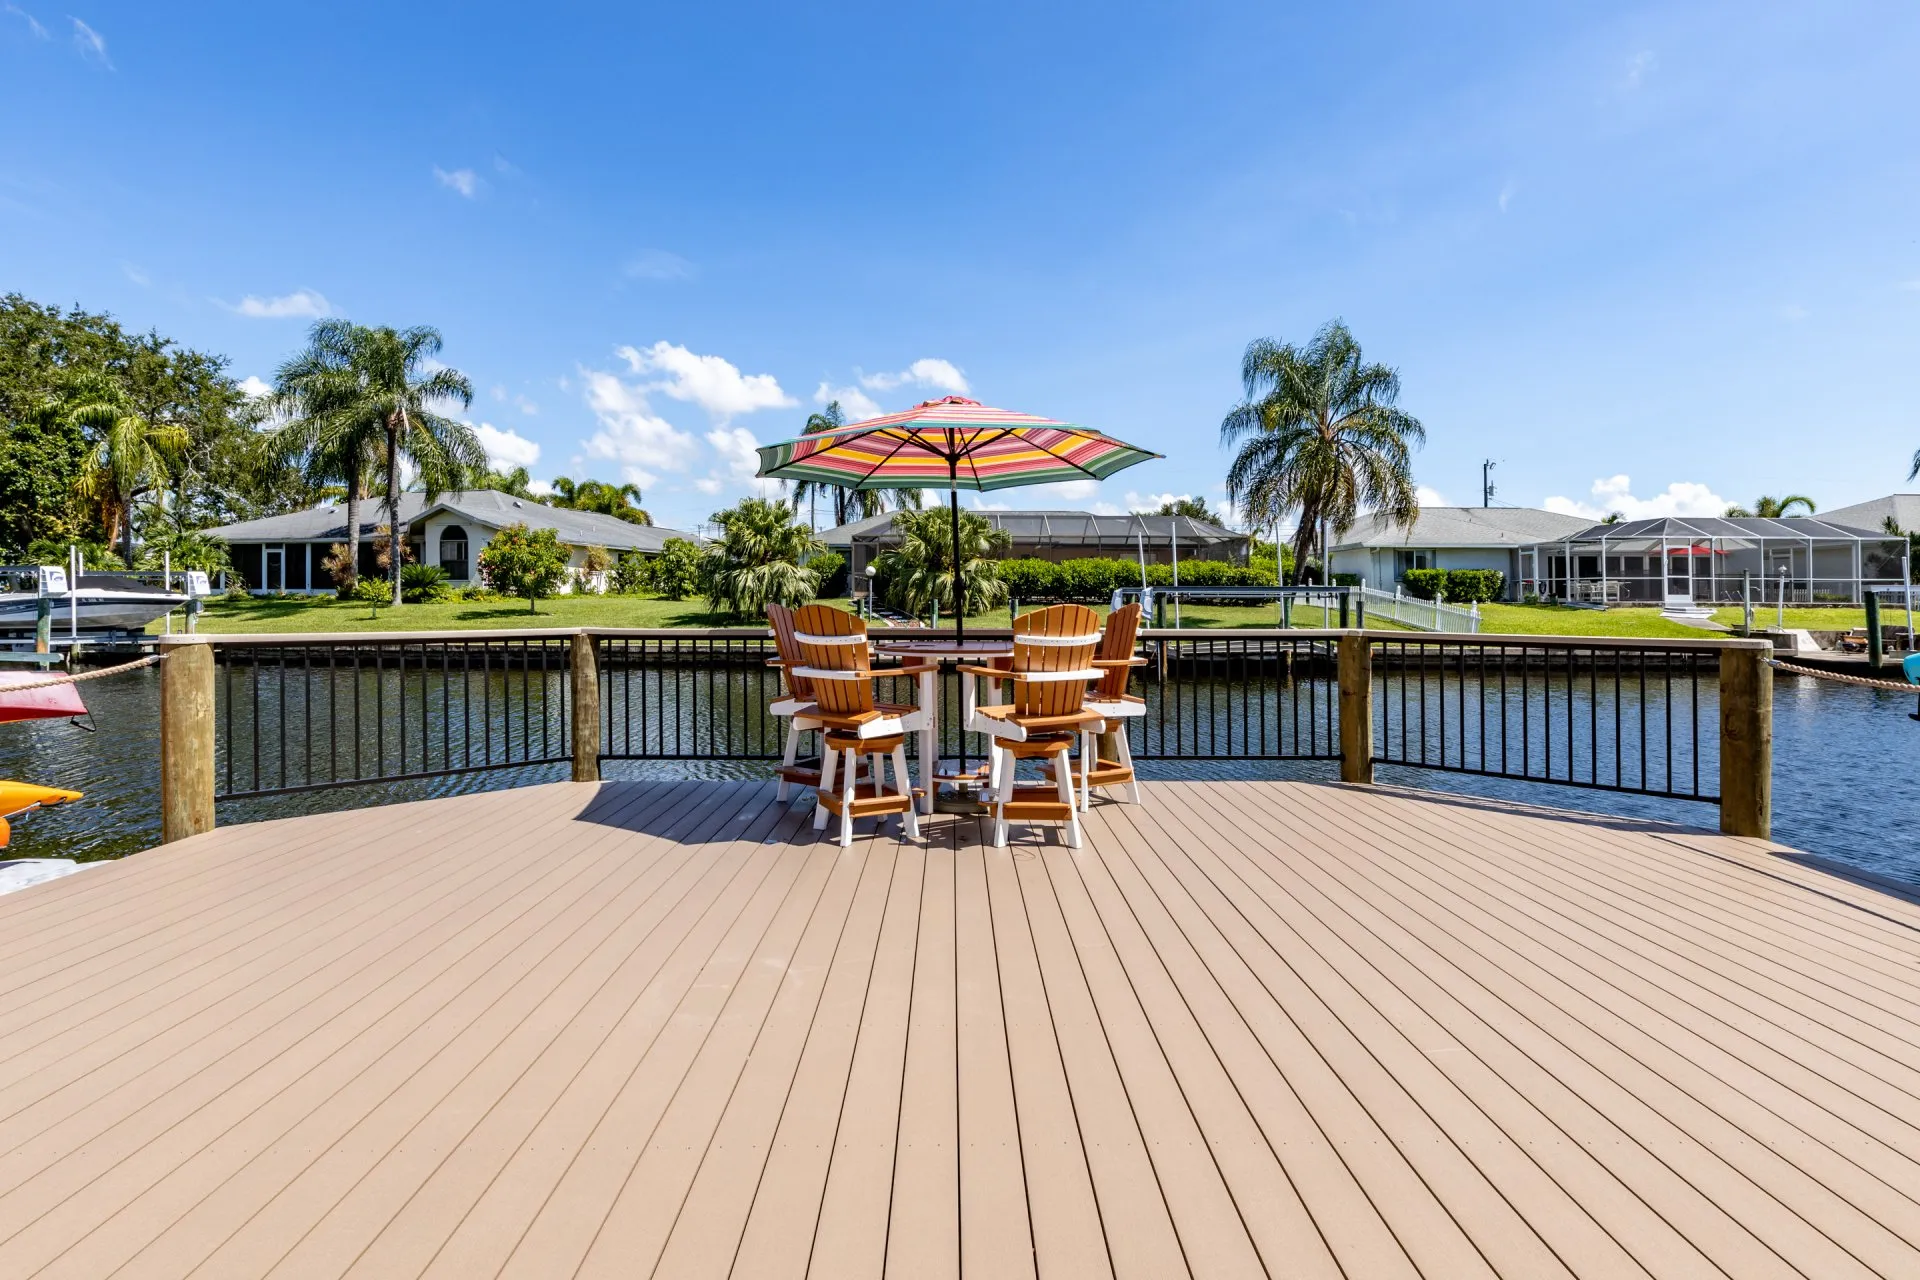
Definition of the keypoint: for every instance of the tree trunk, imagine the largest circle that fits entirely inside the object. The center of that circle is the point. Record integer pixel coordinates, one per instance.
(395, 538)
(127, 533)
(356, 484)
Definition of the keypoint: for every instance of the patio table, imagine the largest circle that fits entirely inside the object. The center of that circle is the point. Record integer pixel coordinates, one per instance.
(944, 651)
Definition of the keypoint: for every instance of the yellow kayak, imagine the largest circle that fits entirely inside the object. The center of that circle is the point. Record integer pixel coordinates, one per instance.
(18, 797)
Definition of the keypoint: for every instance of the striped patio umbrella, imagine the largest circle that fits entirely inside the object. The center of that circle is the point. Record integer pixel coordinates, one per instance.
(952, 444)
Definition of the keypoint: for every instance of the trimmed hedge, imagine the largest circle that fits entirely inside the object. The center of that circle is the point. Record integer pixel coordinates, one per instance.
(1094, 580)
(1455, 586)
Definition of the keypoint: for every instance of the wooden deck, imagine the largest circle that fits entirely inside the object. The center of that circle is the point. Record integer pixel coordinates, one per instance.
(1252, 1029)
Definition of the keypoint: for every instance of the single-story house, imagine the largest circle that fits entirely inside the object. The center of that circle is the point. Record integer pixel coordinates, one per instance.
(1901, 508)
(1065, 535)
(1684, 561)
(1380, 552)
(285, 553)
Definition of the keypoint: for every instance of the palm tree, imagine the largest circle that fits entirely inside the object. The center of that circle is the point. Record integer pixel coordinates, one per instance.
(516, 483)
(1319, 438)
(1192, 508)
(360, 379)
(129, 457)
(760, 559)
(848, 504)
(318, 396)
(919, 572)
(1771, 508)
(620, 501)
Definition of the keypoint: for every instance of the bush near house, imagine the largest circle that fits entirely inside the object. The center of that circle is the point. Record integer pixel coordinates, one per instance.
(424, 583)
(1455, 586)
(1094, 579)
(831, 569)
(676, 572)
(529, 563)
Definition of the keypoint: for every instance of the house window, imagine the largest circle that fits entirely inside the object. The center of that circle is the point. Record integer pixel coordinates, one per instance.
(1405, 560)
(453, 551)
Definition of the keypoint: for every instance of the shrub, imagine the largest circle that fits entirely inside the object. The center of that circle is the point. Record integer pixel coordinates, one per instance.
(1030, 579)
(375, 593)
(479, 594)
(529, 563)
(424, 583)
(1425, 584)
(630, 575)
(676, 571)
(339, 566)
(830, 567)
(1465, 585)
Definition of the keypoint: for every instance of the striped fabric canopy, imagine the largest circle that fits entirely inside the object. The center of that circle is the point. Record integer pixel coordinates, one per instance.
(952, 443)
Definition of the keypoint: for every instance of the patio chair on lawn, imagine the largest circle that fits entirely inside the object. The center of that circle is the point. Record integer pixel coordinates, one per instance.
(1106, 757)
(839, 666)
(1052, 663)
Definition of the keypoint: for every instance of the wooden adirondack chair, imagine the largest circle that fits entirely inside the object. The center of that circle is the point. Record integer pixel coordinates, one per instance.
(794, 705)
(838, 666)
(1052, 663)
(1106, 758)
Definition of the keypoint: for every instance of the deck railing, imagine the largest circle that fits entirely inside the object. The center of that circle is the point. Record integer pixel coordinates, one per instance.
(246, 716)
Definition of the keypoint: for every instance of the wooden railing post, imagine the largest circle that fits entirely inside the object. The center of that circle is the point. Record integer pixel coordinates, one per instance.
(186, 739)
(1356, 708)
(584, 671)
(1746, 738)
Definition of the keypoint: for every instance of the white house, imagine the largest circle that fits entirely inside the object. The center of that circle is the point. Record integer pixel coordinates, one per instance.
(285, 553)
(1901, 508)
(1381, 552)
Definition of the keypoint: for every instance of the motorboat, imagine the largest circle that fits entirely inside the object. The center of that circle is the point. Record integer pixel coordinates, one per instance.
(96, 602)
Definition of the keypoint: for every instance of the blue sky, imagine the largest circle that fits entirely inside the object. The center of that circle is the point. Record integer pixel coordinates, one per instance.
(1676, 243)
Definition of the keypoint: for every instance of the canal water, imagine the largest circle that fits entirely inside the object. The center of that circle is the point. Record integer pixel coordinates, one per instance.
(1846, 782)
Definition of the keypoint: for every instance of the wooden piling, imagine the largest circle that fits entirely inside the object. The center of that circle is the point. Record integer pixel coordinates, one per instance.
(1356, 708)
(584, 671)
(186, 739)
(1746, 739)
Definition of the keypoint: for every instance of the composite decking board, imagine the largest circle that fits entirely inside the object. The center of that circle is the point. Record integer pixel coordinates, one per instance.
(1452, 1219)
(1799, 1035)
(1301, 964)
(1517, 1054)
(1797, 1216)
(475, 1210)
(364, 1171)
(572, 1025)
(1301, 1201)
(1818, 1103)
(300, 1116)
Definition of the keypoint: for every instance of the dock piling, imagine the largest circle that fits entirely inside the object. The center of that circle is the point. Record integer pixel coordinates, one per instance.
(186, 740)
(584, 672)
(1746, 739)
(1356, 708)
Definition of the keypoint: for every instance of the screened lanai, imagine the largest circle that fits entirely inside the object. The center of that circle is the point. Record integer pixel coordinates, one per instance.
(1071, 535)
(1708, 560)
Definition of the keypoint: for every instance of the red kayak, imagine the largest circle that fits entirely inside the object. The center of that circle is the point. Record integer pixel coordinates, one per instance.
(48, 702)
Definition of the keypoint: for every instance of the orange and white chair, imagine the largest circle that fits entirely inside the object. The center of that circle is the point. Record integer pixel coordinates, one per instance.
(838, 666)
(1106, 757)
(794, 705)
(1042, 716)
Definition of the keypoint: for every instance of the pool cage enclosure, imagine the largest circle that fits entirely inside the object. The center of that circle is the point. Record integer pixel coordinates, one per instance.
(1699, 560)
(1068, 535)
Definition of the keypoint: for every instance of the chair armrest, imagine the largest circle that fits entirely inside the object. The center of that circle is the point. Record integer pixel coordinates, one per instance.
(907, 669)
(1060, 722)
(822, 673)
(1122, 662)
(990, 673)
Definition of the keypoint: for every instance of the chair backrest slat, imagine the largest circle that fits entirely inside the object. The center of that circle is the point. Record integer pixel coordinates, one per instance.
(834, 697)
(1123, 627)
(781, 619)
(1073, 622)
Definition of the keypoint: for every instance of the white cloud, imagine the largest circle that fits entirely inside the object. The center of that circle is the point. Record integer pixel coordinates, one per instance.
(941, 375)
(506, 449)
(136, 274)
(1152, 501)
(855, 403)
(1615, 493)
(630, 433)
(33, 24)
(505, 167)
(739, 454)
(300, 304)
(709, 484)
(498, 393)
(539, 488)
(465, 181)
(253, 387)
(708, 381)
(1428, 497)
(526, 406)
(1507, 192)
(657, 264)
(1639, 66)
(90, 43)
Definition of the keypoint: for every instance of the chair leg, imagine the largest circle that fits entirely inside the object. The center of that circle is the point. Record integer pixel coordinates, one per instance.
(788, 759)
(846, 798)
(1003, 796)
(909, 821)
(1089, 756)
(1124, 752)
(827, 761)
(1063, 779)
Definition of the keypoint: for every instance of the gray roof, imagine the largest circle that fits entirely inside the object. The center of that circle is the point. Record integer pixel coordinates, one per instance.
(1747, 528)
(1072, 528)
(328, 522)
(1903, 507)
(1462, 527)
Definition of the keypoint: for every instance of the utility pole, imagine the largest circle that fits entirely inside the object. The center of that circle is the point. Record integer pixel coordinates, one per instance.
(1486, 483)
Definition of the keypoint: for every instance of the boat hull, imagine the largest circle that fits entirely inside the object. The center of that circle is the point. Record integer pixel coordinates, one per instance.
(96, 610)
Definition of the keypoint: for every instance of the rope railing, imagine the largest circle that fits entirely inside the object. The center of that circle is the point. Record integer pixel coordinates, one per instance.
(1896, 686)
(51, 681)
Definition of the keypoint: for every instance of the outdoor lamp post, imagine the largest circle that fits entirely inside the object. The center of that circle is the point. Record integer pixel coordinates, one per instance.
(872, 571)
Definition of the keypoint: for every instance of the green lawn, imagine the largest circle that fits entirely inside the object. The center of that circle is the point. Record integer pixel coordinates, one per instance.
(1842, 618)
(320, 613)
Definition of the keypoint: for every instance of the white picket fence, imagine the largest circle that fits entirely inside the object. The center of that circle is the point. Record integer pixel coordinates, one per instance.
(1420, 615)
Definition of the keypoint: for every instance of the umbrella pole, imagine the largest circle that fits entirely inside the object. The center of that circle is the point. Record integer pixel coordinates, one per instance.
(959, 596)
